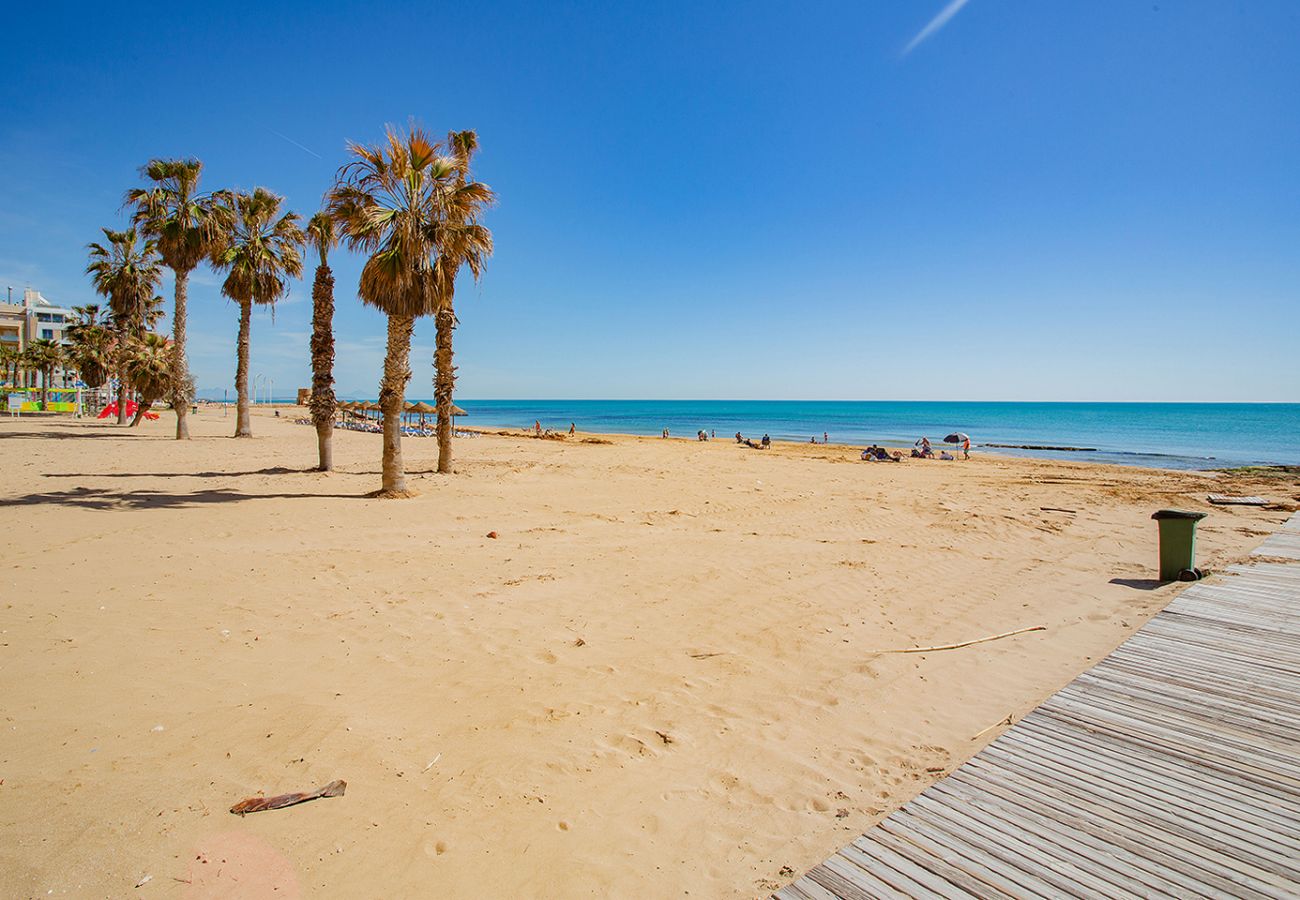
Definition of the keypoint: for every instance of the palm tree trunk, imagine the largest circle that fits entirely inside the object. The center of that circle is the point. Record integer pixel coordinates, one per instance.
(121, 376)
(45, 389)
(325, 446)
(323, 402)
(444, 383)
(140, 410)
(243, 419)
(392, 391)
(180, 364)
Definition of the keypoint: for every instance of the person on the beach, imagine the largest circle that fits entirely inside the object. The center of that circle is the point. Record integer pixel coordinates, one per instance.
(713, 432)
(965, 448)
(572, 428)
(825, 438)
(926, 449)
(739, 438)
(767, 442)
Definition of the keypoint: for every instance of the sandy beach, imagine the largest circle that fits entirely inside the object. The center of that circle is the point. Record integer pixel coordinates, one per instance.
(628, 667)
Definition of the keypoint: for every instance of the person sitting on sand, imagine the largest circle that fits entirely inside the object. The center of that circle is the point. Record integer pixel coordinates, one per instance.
(752, 445)
(739, 438)
(946, 455)
(880, 453)
(767, 442)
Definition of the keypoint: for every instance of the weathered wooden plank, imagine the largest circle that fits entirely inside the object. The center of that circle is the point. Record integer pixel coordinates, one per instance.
(1253, 823)
(1178, 771)
(1049, 814)
(984, 880)
(1228, 700)
(805, 889)
(1284, 544)
(852, 882)
(991, 867)
(1176, 860)
(1055, 840)
(1254, 862)
(1279, 704)
(1174, 709)
(1014, 848)
(901, 873)
(1226, 763)
(1170, 769)
(1272, 761)
(944, 863)
(1199, 856)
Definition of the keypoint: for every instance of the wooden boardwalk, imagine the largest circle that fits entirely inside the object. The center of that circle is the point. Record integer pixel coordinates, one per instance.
(1285, 544)
(1170, 769)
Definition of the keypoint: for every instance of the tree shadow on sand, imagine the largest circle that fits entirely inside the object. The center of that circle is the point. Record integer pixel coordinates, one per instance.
(273, 470)
(75, 436)
(95, 431)
(103, 499)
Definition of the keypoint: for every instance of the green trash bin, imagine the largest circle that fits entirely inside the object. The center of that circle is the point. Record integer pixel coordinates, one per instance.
(1178, 544)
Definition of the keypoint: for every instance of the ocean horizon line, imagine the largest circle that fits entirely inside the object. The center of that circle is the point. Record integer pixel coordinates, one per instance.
(1185, 435)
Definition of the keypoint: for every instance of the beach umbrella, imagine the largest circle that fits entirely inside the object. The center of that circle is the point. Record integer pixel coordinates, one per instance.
(423, 409)
(456, 411)
(956, 437)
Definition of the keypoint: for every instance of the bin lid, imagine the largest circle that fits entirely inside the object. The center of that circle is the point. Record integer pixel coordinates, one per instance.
(1177, 514)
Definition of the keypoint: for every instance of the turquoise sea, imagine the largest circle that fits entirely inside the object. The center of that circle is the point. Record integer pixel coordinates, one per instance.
(1163, 435)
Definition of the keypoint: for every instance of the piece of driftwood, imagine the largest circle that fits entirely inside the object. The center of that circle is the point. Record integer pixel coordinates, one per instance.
(991, 637)
(259, 804)
(984, 731)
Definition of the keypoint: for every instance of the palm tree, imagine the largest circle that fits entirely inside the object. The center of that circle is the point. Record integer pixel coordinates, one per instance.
(390, 202)
(10, 357)
(44, 356)
(128, 272)
(259, 250)
(183, 223)
(462, 241)
(322, 235)
(90, 344)
(149, 364)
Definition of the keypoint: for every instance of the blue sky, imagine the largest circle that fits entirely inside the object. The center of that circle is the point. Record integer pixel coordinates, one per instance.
(1047, 201)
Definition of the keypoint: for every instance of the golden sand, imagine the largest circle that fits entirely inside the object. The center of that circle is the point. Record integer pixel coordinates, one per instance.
(663, 676)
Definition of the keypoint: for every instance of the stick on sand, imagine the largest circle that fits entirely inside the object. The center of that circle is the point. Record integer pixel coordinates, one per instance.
(992, 637)
(259, 804)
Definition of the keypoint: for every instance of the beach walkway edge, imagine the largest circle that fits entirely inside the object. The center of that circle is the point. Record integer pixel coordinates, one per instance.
(1169, 769)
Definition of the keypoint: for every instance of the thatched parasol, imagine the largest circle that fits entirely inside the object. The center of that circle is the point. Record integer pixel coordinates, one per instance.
(422, 408)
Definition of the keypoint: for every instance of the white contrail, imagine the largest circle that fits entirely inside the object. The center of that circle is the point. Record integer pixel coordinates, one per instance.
(308, 149)
(945, 15)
